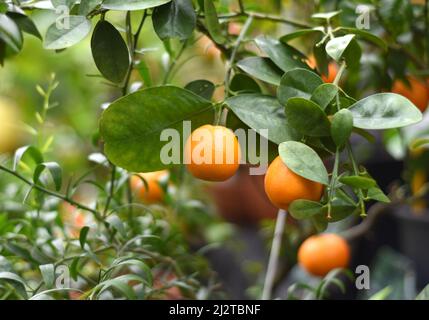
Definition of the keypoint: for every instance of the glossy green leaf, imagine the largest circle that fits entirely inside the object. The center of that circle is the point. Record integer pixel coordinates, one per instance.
(83, 234)
(300, 33)
(261, 68)
(358, 182)
(283, 55)
(25, 24)
(337, 46)
(212, 22)
(324, 94)
(176, 19)
(341, 127)
(110, 52)
(203, 88)
(297, 83)
(55, 171)
(59, 37)
(10, 33)
(304, 161)
(131, 126)
(67, 3)
(17, 282)
(377, 194)
(87, 6)
(424, 294)
(32, 151)
(48, 274)
(307, 117)
(263, 112)
(325, 15)
(366, 36)
(304, 209)
(384, 111)
(131, 5)
(242, 83)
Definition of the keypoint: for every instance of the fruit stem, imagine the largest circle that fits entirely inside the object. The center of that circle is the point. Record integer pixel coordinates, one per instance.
(274, 255)
(230, 65)
(356, 172)
(333, 182)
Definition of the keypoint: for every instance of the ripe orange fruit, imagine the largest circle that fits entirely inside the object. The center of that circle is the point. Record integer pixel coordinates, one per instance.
(320, 254)
(283, 186)
(417, 92)
(153, 192)
(212, 153)
(208, 48)
(332, 69)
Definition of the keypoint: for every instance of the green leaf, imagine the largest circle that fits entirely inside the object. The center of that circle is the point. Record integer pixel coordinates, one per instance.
(32, 151)
(307, 117)
(212, 22)
(424, 294)
(60, 38)
(55, 171)
(67, 3)
(131, 5)
(325, 15)
(87, 6)
(74, 269)
(175, 19)
(377, 194)
(17, 282)
(382, 294)
(283, 55)
(25, 24)
(418, 143)
(324, 94)
(261, 68)
(263, 112)
(337, 46)
(242, 83)
(384, 111)
(366, 36)
(203, 88)
(10, 33)
(298, 83)
(131, 126)
(304, 209)
(83, 234)
(304, 161)
(48, 274)
(110, 52)
(300, 33)
(320, 222)
(341, 127)
(358, 182)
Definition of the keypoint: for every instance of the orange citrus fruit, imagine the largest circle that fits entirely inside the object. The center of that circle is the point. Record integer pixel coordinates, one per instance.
(212, 153)
(320, 254)
(332, 69)
(283, 186)
(152, 192)
(417, 92)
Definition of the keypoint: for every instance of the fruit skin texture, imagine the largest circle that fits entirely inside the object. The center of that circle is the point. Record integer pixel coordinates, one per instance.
(320, 254)
(152, 193)
(222, 144)
(283, 186)
(417, 92)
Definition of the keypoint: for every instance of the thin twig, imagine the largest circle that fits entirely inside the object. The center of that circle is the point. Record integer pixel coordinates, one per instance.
(274, 255)
(53, 193)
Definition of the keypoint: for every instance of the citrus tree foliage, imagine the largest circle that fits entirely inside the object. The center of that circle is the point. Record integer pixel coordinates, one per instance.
(269, 84)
